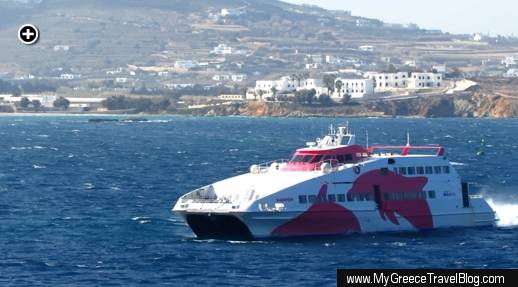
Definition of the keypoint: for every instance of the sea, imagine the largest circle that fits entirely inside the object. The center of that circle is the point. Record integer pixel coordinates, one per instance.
(89, 204)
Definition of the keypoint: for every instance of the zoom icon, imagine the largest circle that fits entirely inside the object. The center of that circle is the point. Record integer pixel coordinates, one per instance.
(28, 34)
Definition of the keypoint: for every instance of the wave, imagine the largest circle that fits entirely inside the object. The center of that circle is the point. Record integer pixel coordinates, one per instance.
(506, 212)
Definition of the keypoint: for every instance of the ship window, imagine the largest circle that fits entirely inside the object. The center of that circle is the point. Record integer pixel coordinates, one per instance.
(321, 198)
(312, 198)
(395, 170)
(341, 197)
(348, 157)
(446, 169)
(411, 170)
(307, 158)
(402, 170)
(340, 158)
(303, 199)
(327, 158)
(331, 197)
(420, 170)
(349, 197)
(437, 169)
(428, 170)
(316, 159)
(431, 194)
(391, 161)
(387, 196)
(384, 171)
(297, 158)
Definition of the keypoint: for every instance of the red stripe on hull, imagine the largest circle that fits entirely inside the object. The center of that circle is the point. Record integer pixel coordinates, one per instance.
(322, 218)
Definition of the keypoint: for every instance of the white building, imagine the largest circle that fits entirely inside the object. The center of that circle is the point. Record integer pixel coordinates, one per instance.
(410, 63)
(285, 85)
(388, 81)
(238, 77)
(425, 81)
(47, 100)
(63, 48)
(231, 12)
(231, 97)
(356, 88)
(222, 49)
(332, 60)
(366, 48)
(69, 77)
(311, 83)
(229, 77)
(312, 66)
(512, 73)
(509, 61)
(439, 68)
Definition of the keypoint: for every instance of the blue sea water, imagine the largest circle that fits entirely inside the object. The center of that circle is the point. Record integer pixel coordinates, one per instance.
(88, 204)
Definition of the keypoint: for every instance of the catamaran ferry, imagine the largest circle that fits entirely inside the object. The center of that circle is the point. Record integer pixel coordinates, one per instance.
(333, 187)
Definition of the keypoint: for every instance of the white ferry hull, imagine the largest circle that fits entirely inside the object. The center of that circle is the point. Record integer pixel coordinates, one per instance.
(263, 225)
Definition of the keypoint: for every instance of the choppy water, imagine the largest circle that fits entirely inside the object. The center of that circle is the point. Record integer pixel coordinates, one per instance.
(85, 204)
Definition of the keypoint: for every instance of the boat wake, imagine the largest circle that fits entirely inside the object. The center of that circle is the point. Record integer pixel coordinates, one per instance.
(507, 212)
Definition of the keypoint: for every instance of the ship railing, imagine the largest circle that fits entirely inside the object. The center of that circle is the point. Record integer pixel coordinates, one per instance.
(268, 166)
(204, 194)
(335, 165)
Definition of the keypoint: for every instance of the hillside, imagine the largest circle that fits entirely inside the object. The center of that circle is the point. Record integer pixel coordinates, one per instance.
(272, 34)
(98, 48)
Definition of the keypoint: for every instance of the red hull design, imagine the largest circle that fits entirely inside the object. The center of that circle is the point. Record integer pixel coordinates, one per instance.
(409, 190)
(322, 218)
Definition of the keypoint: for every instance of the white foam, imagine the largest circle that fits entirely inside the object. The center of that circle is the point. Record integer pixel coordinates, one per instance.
(507, 212)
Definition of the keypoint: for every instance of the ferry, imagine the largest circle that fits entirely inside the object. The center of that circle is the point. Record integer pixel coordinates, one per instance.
(334, 186)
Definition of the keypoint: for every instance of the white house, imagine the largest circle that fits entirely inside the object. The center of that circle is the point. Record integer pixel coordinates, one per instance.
(439, 68)
(63, 48)
(69, 77)
(238, 77)
(425, 81)
(388, 81)
(312, 66)
(366, 48)
(285, 85)
(512, 73)
(509, 61)
(356, 88)
(231, 12)
(222, 49)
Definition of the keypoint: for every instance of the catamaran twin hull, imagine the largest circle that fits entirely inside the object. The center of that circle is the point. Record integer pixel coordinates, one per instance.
(335, 187)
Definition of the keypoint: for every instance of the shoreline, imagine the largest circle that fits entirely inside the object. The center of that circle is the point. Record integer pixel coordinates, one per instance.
(141, 115)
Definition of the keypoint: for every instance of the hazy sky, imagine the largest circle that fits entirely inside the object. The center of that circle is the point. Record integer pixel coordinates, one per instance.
(456, 16)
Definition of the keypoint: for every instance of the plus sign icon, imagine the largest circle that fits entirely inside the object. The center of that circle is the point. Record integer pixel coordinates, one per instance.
(28, 34)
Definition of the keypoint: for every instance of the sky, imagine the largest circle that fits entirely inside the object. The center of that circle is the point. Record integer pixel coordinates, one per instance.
(492, 17)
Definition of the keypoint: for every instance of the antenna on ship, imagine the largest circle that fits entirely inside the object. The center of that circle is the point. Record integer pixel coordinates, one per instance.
(407, 138)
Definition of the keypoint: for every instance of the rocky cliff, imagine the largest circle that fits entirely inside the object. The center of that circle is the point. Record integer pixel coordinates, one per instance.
(477, 103)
